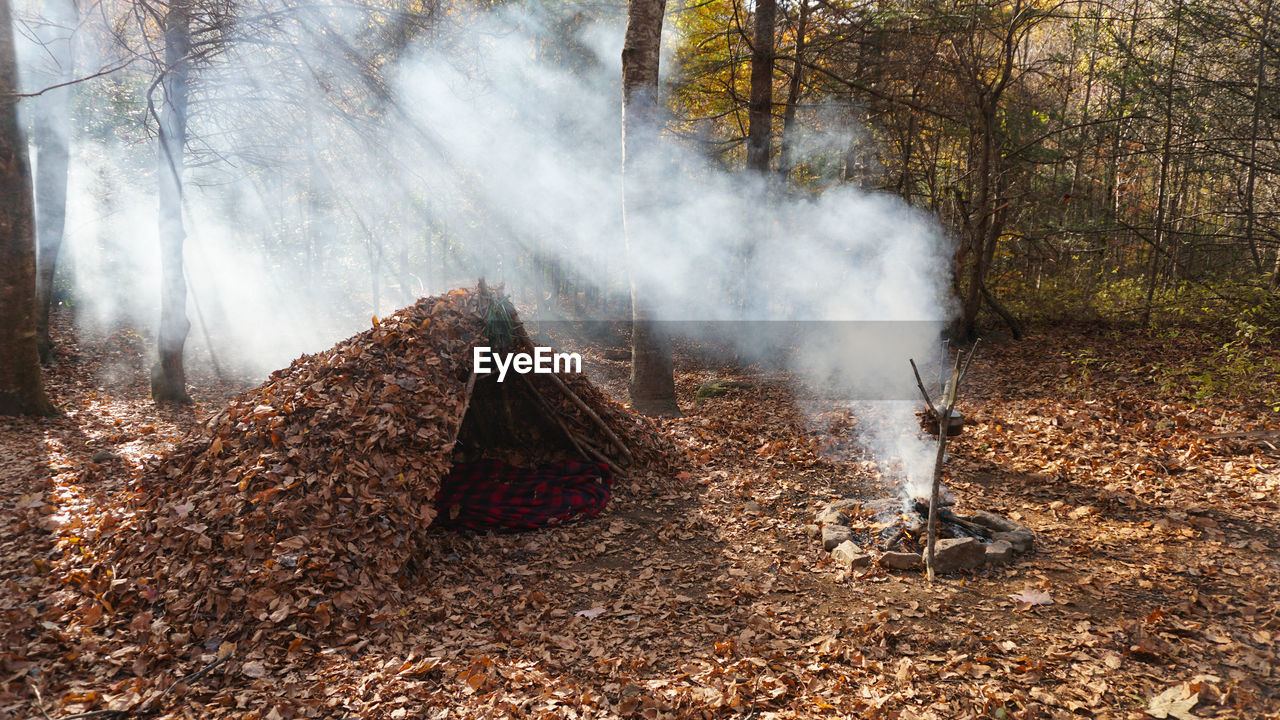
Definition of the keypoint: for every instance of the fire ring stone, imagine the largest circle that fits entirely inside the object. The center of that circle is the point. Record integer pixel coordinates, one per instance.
(893, 534)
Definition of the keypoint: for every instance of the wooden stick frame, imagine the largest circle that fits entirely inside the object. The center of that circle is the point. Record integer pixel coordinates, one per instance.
(950, 395)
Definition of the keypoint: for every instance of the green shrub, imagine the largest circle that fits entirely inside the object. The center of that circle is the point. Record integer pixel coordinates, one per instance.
(1245, 368)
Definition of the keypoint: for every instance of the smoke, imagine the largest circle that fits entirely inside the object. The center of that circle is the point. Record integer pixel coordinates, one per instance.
(327, 184)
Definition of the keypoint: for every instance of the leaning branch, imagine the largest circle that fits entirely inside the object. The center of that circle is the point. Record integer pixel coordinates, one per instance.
(928, 401)
(86, 78)
(580, 443)
(604, 427)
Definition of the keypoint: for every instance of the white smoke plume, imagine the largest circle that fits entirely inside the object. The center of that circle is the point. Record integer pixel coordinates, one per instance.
(322, 196)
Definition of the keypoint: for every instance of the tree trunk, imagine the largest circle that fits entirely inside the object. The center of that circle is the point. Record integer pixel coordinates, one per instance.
(407, 295)
(984, 211)
(375, 272)
(21, 387)
(908, 140)
(1250, 212)
(793, 92)
(1118, 137)
(652, 384)
(987, 91)
(52, 139)
(168, 378)
(760, 111)
(1082, 144)
(1166, 158)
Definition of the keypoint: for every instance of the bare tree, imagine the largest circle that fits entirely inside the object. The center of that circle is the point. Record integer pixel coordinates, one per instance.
(168, 378)
(1166, 160)
(1255, 124)
(760, 114)
(21, 387)
(652, 384)
(987, 63)
(795, 85)
(55, 30)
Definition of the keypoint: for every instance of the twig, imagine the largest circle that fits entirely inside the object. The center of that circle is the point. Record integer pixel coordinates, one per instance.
(923, 393)
(1244, 434)
(74, 81)
(508, 422)
(204, 328)
(573, 438)
(198, 673)
(593, 452)
(466, 403)
(944, 427)
(971, 527)
(942, 362)
(39, 699)
(591, 414)
(521, 335)
(965, 370)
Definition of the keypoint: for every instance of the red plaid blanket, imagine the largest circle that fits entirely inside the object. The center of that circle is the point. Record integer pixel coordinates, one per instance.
(491, 495)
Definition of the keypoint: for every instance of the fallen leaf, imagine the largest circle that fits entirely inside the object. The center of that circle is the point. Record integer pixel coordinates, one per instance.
(1171, 703)
(1030, 597)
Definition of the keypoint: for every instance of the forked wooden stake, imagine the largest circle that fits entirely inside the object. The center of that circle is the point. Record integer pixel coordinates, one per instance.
(949, 396)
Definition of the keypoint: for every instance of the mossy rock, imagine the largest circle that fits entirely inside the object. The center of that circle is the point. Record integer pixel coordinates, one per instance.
(716, 388)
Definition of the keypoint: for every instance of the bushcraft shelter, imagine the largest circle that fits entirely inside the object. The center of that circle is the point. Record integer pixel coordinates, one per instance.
(308, 496)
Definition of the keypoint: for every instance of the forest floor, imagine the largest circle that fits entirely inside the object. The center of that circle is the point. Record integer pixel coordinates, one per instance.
(700, 594)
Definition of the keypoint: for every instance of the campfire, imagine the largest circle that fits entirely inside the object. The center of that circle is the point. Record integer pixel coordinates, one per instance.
(896, 534)
(892, 534)
(906, 531)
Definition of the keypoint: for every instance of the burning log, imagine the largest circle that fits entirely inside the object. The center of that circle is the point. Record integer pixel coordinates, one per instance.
(962, 526)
